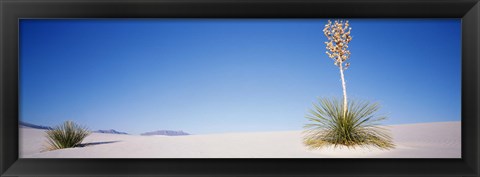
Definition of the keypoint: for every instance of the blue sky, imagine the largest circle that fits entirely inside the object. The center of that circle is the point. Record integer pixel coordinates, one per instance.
(231, 75)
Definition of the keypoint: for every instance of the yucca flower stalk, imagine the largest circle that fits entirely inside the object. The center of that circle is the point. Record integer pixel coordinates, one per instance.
(338, 36)
(67, 135)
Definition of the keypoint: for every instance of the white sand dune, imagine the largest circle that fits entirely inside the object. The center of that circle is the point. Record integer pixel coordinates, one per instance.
(424, 140)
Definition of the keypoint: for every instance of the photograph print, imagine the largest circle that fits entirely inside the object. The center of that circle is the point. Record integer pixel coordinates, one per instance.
(240, 88)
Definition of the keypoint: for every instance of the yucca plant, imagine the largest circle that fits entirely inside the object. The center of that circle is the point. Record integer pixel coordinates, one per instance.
(67, 135)
(346, 122)
(358, 126)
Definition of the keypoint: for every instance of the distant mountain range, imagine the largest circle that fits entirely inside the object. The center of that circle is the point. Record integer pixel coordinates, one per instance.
(166, 133)
(111, 131)
(29, 125)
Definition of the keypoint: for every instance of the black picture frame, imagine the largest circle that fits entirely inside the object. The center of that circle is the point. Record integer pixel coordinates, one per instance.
(13, 10)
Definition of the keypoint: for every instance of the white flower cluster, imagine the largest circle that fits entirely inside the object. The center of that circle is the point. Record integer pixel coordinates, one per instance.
(338, 35)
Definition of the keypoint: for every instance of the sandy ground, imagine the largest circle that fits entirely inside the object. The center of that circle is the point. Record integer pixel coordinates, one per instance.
(425, 140)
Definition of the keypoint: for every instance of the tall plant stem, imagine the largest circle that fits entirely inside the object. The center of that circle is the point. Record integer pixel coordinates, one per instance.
(344, 91)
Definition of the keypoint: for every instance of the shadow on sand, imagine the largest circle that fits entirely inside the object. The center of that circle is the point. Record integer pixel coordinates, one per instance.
(96, 143)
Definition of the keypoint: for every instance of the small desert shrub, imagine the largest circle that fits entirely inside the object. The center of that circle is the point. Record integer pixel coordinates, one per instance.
(66, 135)
(357, 127)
